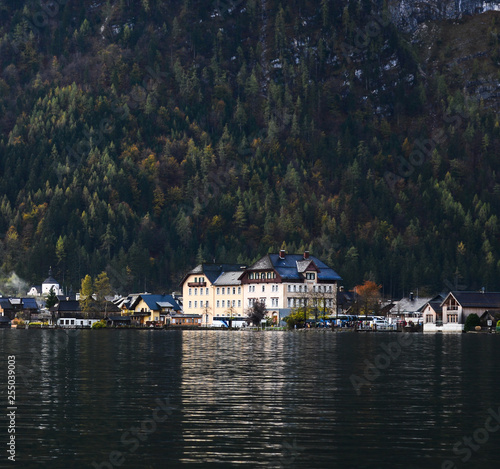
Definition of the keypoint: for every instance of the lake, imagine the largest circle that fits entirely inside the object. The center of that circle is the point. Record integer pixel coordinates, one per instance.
(307, 399)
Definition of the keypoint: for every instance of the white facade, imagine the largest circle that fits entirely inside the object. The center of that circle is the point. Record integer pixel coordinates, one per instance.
(75, 322)
(281, 282)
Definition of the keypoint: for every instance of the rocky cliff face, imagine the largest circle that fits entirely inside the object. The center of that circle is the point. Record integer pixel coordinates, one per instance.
(409, 13)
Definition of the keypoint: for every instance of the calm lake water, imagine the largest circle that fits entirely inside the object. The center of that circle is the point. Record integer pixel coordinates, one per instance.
(251, 399)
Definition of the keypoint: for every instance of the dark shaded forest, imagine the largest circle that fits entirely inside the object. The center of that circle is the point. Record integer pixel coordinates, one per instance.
(142, 137)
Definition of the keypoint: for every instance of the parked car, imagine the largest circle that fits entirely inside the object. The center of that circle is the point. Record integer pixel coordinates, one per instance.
(380, 323)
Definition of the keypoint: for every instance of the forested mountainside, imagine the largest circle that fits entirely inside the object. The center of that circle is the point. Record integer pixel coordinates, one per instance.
(143, 137)
(408, 14)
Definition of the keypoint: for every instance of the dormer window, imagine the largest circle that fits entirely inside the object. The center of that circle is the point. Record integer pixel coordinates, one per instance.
(310, 275)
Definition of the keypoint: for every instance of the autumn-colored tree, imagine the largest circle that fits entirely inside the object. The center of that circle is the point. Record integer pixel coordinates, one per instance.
(86, 296)
(102, 289)
(368, 297)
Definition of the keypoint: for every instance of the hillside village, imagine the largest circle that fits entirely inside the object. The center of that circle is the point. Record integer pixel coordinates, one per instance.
(223, 295)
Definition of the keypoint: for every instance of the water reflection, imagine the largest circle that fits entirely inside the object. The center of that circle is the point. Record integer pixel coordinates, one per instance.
(255, 399)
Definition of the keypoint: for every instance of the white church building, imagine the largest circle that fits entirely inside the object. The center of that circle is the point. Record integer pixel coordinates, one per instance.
(44, 288)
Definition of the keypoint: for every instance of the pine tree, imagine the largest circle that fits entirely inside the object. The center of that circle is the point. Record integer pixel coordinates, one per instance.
(52, 299)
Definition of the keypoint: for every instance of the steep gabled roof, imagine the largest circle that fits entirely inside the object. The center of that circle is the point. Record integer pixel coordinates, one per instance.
(436, 306)
(405, 305)
(229, 278)
(213, 271)
(264, 263)
(291, 266)
(474, 299)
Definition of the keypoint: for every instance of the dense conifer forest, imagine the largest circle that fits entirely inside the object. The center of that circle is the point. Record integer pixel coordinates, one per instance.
(142, 137)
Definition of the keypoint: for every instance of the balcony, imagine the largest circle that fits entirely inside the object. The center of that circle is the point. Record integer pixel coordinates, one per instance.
(197, 284)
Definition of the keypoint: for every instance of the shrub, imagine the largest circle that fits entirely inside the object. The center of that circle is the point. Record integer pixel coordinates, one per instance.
(99, 324)
(471, 322)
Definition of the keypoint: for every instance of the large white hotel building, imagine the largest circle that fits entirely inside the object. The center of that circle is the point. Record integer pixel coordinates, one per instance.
(282, 281)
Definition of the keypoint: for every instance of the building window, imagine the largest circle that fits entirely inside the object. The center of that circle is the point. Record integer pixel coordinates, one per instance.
(305, 288)
(269, 275)
(239, 303)
(239, 290)
(195, 304)
(218, 303)
(206, 291)
(218, 290)
(196, 291)
(429, 318)
(234, 290)
(263, 275)
(234, 303)
(190, 291)
(289, 288)
(250, 276)
(263, 288)
(223, 303)
(202, 279)
(201, 291)
(223, 291)
(189, 304)
(310, 276)
(452, 317)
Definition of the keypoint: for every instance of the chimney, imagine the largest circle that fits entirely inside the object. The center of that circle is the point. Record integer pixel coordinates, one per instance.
(306, 254)
(282, 253)
(411, 296)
